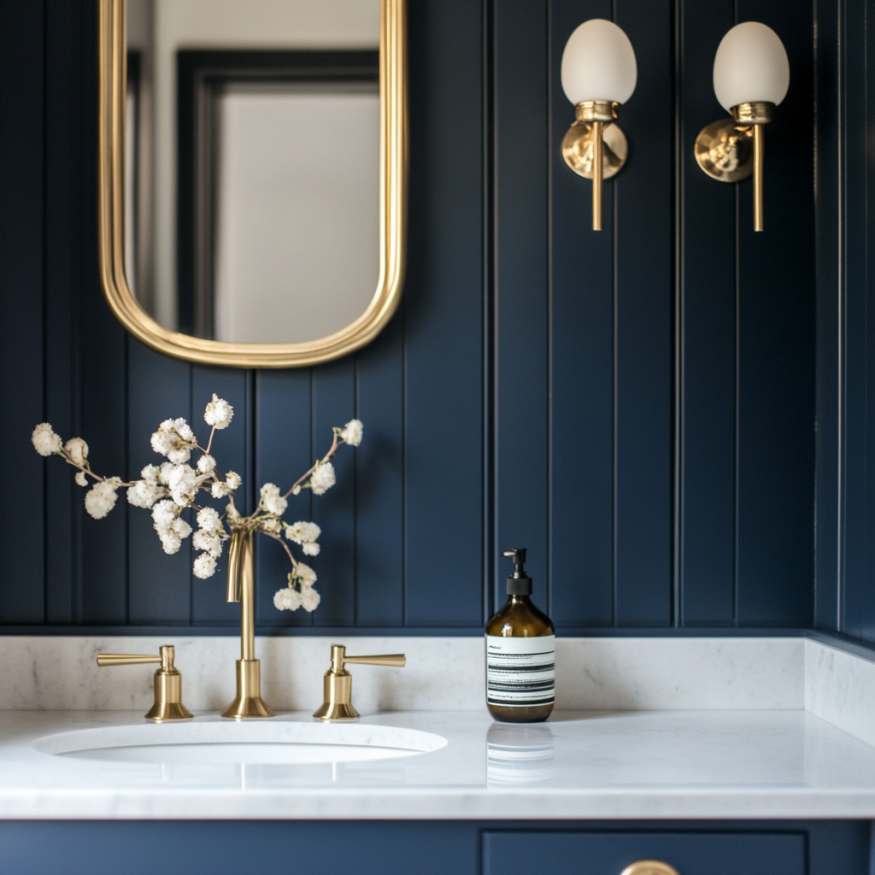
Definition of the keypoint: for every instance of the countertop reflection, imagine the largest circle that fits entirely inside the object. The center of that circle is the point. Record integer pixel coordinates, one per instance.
(652, 764)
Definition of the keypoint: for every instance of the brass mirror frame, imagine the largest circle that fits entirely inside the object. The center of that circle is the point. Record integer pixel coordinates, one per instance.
(112, 48)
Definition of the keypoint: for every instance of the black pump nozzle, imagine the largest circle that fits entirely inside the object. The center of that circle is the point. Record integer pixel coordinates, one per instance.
(520, 583)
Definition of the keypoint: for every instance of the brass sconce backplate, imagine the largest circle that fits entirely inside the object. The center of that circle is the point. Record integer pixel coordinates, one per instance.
(725, 151)
(577, 149)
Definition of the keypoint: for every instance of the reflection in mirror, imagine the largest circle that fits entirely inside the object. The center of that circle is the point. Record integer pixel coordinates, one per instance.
(252, 165)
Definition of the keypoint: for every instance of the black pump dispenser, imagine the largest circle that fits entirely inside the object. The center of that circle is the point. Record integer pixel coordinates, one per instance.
(519, 583)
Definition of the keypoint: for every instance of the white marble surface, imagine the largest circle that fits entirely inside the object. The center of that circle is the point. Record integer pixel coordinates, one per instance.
(707, 764)
(840, 688)
(60, 673)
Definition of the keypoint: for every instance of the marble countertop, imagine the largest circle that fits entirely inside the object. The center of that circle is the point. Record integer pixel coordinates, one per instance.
(652, 764)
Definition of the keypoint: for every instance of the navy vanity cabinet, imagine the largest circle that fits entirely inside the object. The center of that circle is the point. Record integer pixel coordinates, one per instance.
(592, 853)
(284, 847)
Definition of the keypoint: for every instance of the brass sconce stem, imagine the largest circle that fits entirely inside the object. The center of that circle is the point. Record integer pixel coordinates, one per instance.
(597, 174)
(595, 148)
(758, 157)
(241, 588)
(730, 150)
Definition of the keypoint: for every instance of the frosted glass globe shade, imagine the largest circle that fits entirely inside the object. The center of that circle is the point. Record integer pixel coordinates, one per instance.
(751, 66)
(599, 63)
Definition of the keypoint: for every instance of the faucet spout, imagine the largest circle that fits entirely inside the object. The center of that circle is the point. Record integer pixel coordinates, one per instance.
(241, 587)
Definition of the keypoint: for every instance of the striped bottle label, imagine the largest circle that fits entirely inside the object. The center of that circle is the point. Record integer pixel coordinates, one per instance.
(520, 672)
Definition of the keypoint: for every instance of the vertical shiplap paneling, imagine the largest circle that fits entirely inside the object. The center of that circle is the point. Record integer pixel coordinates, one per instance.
(379, 512)
(521, 291)
(859, 603)
(706, 281)
(102, 590)
(443, 357)
(283, 452)
(22, 599)
(232, 451)
(160, 389)
(776, 352)
(868, 112)
(64, 243)
(582, 373)
(827, 239)
(334, 391)
(643, 327)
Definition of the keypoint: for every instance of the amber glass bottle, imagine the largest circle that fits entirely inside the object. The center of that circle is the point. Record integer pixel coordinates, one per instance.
(520, 654)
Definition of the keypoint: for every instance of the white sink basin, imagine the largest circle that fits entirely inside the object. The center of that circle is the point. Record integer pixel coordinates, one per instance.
(210, 741)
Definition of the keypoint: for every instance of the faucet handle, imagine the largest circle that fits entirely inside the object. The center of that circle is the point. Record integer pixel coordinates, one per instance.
(168, 682)
(338, 682)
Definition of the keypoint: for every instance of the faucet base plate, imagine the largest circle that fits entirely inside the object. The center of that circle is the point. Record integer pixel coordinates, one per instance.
(248, 703)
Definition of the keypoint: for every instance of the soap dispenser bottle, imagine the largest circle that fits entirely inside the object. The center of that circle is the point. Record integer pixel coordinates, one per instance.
(520, 654)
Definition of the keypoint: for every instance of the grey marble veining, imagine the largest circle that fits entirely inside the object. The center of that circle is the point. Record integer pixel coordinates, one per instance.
(60, 673)
(657, 764)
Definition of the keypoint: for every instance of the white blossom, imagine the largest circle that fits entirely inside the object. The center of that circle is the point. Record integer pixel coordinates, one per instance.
(170, 541)
(206, 463)
(296, 490)
(150, 474)
(208, 520)
(163, 515)
(287, 599)
(220, 490)
(301, 532)
(77, 450)
(204, 566)
(101, 498)
(269, 524)
(233, 480)
(45, 441)
(210, 542)
(180, 528)
(145, 494)
(271, 499)
(309, 598)
(322, 478)
(310, 548)
(174, 439)
(219, 412)
(183, 484)
(81, 479)
(305, 574)
(352, 432)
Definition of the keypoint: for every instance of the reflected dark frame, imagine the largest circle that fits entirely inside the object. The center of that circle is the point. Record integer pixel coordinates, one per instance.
(202, 77)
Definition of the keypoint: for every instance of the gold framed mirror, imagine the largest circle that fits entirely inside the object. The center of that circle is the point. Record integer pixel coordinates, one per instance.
(112, 217)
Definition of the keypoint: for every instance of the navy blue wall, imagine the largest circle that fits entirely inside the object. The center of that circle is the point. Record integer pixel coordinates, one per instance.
(846, 322)
(635, 406)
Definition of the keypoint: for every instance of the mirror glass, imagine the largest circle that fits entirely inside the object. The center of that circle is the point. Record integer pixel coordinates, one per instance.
(252, 150)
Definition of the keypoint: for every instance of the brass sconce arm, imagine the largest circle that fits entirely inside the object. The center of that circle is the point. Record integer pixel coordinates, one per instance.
(730, 150)
(595, 148)
(338, 683)
(168, 682)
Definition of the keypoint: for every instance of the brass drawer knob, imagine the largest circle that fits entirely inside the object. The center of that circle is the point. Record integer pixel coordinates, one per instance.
(649, 867)
(168, 682)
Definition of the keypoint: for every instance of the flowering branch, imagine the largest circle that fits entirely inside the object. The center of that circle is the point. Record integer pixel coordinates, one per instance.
(171, 488)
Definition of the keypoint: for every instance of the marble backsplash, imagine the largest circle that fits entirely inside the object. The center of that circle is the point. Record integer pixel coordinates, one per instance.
(603, 674)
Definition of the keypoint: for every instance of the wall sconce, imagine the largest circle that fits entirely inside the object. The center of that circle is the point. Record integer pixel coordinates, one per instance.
(598, 74)
(751, 77)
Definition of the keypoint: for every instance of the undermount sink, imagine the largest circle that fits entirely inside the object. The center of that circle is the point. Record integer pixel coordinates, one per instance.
(210, 741)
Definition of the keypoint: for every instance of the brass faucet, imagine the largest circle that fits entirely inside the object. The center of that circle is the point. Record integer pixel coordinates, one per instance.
(338, 683)
(241, 588)
(168, 682)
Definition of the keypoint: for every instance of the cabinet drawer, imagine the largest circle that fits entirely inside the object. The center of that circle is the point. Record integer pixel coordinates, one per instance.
(609, 853)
